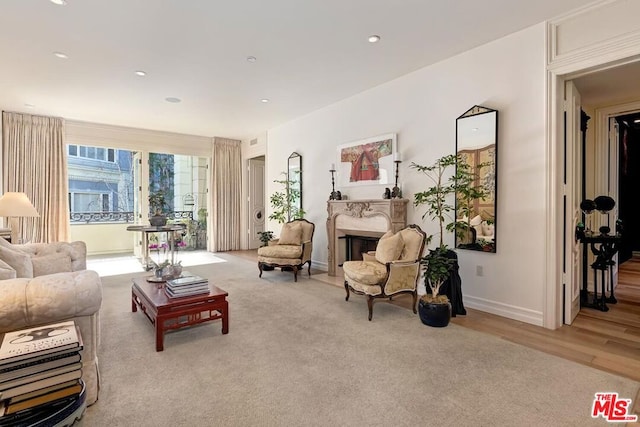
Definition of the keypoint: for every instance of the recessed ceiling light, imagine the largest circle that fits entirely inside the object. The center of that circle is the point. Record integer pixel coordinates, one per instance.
(59, 2)
(60, 55)
(29, 105)
(374, 38)
(264, 100)
(140, 73)
(251, 58)
(173, 100)
(474, 129)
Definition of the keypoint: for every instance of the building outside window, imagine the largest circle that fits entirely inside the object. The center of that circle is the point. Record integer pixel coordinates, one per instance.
(100, 181)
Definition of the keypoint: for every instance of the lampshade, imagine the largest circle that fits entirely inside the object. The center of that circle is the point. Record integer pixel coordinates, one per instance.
(14, 204)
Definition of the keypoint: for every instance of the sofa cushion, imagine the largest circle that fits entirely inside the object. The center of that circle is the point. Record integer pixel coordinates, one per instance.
(291, 234)
(6, 271)
(50, 264)
(19, 261)
(281, 251)
(365, 272)
(389, 247)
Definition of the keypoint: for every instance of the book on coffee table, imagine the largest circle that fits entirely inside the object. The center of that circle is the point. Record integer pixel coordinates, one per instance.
(186, 280)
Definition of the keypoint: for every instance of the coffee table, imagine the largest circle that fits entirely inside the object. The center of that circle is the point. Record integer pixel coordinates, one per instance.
(175, 313)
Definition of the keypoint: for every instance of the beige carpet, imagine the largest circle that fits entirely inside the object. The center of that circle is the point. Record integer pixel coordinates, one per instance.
(297, 354)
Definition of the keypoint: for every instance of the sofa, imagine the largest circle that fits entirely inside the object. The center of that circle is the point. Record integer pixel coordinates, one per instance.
(43, 283)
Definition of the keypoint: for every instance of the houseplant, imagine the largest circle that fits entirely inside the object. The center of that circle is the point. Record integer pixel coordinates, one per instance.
(157, 204)
(284, 203)
(440, 263)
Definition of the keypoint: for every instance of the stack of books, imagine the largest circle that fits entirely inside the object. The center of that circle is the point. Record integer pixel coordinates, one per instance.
(186, 285)
(40, 372)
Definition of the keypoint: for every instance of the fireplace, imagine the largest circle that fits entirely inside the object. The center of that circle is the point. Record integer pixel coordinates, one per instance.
(351, 221)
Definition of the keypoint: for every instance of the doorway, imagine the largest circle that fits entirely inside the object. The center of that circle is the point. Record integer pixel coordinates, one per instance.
(628, 184)
(256, 201)
(614, 170)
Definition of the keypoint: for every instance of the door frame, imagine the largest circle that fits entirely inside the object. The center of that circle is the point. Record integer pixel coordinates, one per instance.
(249, 215)
(556, 76)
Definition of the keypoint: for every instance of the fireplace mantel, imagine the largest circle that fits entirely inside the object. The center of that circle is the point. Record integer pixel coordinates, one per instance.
(375, 216)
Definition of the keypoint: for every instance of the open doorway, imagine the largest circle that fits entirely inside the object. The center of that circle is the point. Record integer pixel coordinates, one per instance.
(612, 98)
(256, 201)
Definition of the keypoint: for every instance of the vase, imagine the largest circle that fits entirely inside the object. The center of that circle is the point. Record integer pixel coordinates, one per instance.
(158, 220)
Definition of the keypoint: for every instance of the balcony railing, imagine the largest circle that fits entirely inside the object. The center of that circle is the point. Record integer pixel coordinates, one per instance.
(119, 216)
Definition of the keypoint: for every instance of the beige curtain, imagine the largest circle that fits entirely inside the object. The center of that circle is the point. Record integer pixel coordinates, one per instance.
(226, 194)
(34, 162)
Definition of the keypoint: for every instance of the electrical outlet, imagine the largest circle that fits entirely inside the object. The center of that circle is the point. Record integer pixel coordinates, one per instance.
(479, 271)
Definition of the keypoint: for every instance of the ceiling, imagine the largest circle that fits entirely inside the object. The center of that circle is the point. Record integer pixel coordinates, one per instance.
(612, 86)
(309, 54)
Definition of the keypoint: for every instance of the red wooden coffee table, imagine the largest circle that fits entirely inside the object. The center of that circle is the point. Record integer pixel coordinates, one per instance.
(174, 313)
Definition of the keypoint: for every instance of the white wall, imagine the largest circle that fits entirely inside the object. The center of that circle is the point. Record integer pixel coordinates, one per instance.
(422, 107)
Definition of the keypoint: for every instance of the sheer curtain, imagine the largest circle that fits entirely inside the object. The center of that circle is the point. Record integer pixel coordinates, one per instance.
(34, 162)
(226, 194)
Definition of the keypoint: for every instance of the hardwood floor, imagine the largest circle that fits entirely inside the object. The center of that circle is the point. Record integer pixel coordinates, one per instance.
(609, 341)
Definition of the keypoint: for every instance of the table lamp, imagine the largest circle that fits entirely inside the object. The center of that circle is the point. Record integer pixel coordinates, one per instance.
(15, 205)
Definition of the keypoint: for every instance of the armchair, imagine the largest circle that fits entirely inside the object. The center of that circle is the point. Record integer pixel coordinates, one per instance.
(292, 250)
(392, 269)
(43, 283)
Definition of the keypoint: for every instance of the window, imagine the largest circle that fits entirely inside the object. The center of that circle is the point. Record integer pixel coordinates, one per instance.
(89, 202)
(95, 153)
(100, 181)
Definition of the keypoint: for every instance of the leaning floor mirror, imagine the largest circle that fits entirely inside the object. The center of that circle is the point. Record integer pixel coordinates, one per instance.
(294, 186)
(476, 177)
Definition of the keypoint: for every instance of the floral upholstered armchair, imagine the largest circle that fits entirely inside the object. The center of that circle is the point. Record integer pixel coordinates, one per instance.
(291, 251)
(392, 269)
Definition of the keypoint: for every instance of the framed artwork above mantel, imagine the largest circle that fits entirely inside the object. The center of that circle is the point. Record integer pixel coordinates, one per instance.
(367, 161)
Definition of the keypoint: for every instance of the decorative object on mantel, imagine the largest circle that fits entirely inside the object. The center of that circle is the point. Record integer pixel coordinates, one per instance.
(387, 193)
(335, 195)
(396, 193)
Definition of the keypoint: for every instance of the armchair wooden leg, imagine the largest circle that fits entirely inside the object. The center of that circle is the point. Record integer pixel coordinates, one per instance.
(309, 269)
(295, 273)
(370, 305)
(346, 288)
(260, 268)
(415, 300)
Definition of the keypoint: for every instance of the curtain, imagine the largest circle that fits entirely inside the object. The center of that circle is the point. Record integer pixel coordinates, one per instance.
(226, 194)
(34, 162)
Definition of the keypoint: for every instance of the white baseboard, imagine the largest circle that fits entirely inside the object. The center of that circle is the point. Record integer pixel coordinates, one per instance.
(505, 310)
(324, 266)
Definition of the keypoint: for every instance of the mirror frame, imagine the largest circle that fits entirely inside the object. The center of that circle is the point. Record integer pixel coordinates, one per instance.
(294, 162)
(483, 148)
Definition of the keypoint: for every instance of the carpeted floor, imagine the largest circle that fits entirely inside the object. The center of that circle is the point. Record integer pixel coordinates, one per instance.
(297, 354)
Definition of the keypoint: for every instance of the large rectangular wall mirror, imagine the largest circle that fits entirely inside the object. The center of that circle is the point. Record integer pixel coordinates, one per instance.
(476, 146)
(294, 187)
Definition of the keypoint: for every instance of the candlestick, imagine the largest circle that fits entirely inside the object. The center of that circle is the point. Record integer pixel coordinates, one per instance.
(333, 195)
(396, 193)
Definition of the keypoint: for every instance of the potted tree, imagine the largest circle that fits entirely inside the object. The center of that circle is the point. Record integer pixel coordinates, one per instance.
(285, 206)
(157, 204)
(439, 264)
(285, 202)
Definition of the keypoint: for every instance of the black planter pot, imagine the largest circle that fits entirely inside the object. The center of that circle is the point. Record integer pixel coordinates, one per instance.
(434, 314)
